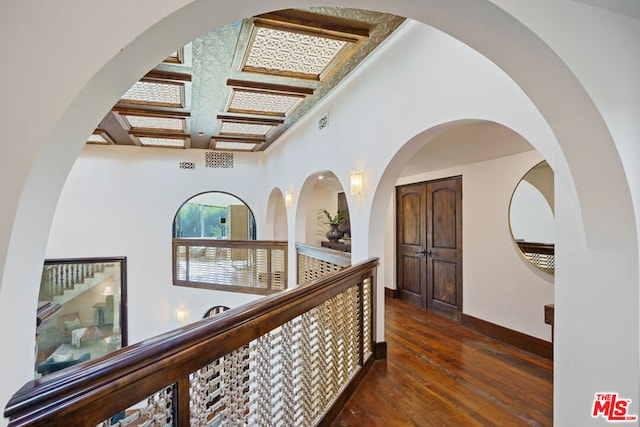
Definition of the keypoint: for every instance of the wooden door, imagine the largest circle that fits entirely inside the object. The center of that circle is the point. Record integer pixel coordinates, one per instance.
(444, 246)
(411, 216)
(429, 245)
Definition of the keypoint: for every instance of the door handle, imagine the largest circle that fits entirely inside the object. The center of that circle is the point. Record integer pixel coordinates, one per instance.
(426, 252)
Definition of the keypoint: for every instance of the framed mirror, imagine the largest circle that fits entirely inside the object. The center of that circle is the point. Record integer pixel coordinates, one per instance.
(531, 217)
(82, 311)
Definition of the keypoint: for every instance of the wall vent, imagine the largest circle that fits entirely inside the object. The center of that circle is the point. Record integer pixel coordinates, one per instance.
(218, 160)
(187, 165)
(323, 122)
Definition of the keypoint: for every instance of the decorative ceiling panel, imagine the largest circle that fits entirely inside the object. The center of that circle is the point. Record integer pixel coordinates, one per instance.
(176, 57)
(235, 146)
(263, 102)
(231, 128)
(161, 123)
(162, 142)
(282, 51)
(155, 93)
(258, 76)
(99, 137)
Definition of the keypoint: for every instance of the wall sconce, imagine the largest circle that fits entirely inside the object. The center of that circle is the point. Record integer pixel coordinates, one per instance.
(288, 198)
(181, 315)
(356, 182)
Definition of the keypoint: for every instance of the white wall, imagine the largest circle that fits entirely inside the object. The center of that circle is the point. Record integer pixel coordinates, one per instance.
(121, 201)
(321, 198)
(499, 285)
(577, 64)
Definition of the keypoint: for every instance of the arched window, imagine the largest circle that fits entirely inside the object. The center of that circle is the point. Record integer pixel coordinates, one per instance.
(214, 215)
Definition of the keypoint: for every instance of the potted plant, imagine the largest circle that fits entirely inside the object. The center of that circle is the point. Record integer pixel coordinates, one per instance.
(333, 222)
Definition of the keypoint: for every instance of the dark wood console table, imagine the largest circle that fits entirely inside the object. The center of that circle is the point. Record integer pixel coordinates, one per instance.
(337, 246)
(549, 318)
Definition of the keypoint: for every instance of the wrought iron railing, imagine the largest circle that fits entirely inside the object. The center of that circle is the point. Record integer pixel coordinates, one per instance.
(315, 262)
(291, 359)
(251, 266)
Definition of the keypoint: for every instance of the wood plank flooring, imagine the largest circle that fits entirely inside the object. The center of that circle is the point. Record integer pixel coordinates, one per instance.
(439, 373)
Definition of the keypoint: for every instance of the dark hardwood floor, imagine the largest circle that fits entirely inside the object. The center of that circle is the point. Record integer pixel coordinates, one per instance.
(439, 373)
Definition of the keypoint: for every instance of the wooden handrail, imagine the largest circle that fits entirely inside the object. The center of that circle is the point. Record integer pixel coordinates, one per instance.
(536, 248)
(237, 244)
(97, 389)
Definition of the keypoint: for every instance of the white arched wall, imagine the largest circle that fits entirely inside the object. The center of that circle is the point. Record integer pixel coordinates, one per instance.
(597, 214)
(277, 226)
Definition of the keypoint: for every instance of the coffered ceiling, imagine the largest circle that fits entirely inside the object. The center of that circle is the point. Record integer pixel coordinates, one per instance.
(239, 87)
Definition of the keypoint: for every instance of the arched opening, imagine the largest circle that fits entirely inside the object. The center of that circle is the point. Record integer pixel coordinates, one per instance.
(323, 201)
(489, 158)
(277, 216)
(214, 215)
(582, 137)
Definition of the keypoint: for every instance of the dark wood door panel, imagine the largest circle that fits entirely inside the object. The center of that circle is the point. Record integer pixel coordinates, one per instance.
(444, 246)
(411, 229)
(443, 219)
(412, 225)
(412, 270)
(444, 290)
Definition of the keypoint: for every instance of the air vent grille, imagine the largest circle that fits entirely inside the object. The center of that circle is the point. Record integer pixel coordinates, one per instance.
(218, 160)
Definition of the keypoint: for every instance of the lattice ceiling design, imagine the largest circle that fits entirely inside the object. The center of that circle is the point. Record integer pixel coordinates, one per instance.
(162, 142)
(97, 138)
(280, 50)
(234, 146)
(155, 93)
(230, 128)
(239, 87)
(259, 102)
(162, 123)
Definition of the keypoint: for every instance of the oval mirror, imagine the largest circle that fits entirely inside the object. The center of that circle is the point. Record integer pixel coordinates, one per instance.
(531, 217)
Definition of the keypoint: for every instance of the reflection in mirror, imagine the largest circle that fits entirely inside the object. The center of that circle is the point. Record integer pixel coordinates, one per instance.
(214, 215)
(81, 311)
(531, 217)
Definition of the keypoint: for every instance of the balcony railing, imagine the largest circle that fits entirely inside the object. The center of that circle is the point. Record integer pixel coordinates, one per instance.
(314, 262)
(542, 255)
(291, 358)
(250, 266)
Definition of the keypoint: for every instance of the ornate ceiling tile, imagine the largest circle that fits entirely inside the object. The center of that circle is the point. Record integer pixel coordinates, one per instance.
(263, 102)
(162, 142)
(167, 94)
(160, 123)
(234, 146)
(231, 128)
(292, 52)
